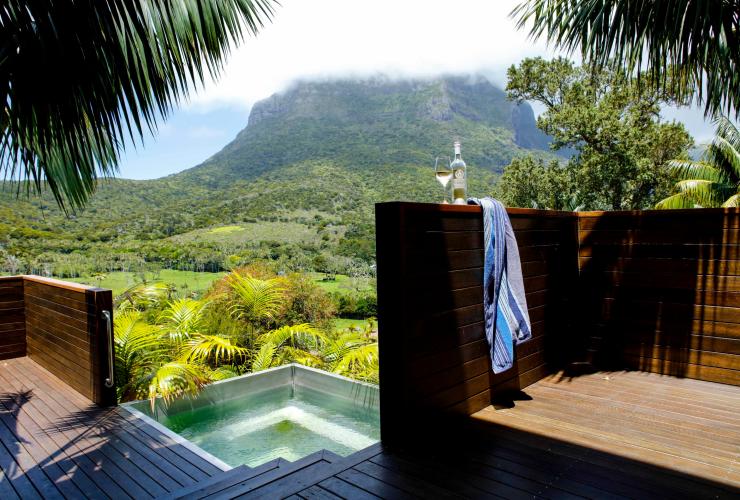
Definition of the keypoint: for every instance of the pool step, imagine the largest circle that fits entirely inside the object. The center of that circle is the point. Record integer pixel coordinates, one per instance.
(216, 483)
(243, 479)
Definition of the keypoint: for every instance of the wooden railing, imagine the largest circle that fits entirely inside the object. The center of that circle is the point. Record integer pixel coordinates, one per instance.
(12, 318)
(433, 350)
(62, 327)
(656, 291)
(661, 291)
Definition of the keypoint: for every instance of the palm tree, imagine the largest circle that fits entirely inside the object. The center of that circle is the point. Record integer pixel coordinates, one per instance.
(255, 301)
(713, 181)
(352, 353)
(78, 78)
(172, 358)
(289, 344)
(687, 46)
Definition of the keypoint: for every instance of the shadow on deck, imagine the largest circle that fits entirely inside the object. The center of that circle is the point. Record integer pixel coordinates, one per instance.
(54, 443)
(605, 435)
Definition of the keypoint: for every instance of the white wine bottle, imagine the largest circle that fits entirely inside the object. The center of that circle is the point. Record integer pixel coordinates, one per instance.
(459, 178)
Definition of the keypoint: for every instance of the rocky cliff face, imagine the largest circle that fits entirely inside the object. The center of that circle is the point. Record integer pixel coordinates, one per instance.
(377, 121)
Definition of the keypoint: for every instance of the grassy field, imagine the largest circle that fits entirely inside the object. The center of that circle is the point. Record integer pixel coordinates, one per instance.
(200, 281)
(341, 283)
(284, 232)
(183, 280)
(344, 323)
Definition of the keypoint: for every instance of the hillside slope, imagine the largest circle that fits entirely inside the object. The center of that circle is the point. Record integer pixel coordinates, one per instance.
(365, 124)
(318, 155)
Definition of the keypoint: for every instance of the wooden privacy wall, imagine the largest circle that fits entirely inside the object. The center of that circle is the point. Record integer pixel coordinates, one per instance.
(63, 330)
(434, 354)
(12, 318)
(661, 291)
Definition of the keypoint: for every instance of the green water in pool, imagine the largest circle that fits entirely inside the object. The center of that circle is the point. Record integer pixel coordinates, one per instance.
(286, 422)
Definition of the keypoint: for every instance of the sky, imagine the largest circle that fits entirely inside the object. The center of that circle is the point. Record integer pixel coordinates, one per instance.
(322, 39)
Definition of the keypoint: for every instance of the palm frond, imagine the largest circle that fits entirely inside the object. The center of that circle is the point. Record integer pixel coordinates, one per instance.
(256, 299)
(677, 201)
(358, 359)
(688, 169)
(174, 379)
(223, 372)
(288, 354)
(299, 336)
(715, 180)
(264, 357)
(182, 318)
(732, 202)
(705, 193)
(116, 67)
(137, 346)
(202, 347)
(687, 46)
(142, 296)
(724, 151)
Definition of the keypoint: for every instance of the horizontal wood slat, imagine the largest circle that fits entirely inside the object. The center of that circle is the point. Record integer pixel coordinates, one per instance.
(61, 327)
(430, 288)
(12, 318)
(661, 291)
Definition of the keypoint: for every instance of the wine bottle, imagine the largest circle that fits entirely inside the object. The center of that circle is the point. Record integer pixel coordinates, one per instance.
(459, 178)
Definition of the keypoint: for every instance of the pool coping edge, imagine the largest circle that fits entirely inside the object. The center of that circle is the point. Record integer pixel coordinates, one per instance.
(178, 438)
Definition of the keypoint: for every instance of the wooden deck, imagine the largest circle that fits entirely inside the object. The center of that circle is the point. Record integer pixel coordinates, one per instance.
(55, 444)
(605, 435)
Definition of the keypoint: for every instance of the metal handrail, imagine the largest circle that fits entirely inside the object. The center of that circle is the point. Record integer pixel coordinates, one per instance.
(109, 329)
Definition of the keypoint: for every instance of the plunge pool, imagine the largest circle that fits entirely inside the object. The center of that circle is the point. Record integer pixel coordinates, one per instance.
(286, 412)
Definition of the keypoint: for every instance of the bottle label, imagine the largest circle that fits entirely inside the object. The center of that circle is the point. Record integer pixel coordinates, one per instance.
(458, 180)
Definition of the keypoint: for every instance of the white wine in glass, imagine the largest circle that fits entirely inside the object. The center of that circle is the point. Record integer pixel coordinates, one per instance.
(443, 172)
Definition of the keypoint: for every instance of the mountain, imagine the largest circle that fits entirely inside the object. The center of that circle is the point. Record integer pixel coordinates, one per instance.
(368, 123)
(297, 183)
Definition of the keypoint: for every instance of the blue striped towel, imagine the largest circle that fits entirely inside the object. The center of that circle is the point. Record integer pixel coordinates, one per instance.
(504, 301)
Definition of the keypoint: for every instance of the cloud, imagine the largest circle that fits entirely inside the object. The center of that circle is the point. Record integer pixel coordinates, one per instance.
(320, 39)
(334, 38)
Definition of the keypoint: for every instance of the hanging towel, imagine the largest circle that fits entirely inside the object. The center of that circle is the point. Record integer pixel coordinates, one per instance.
(504, 302)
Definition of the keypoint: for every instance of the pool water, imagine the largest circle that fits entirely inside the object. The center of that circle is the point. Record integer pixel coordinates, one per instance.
(289, 422)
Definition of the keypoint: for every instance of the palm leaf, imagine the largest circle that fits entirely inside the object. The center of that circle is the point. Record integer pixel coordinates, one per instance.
(705, 193)
(300, 336)
(255, 299)
(724, 151)
(264, 357)
(688, 47)
(137, 346)
(715, 180)
(142, 295)
(117, 66)
(182, 318)
(288, 354)
(202, 347)
(687, 169)
(733, 201)
(223, 372)
(676, 201)
(358, 359)
(174, 379)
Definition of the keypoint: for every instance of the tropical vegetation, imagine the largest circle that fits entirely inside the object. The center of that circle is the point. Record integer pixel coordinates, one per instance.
(686, 47)
(712, 181)
(116, 67)
(620, 146)
(279, 192)
(250, 320)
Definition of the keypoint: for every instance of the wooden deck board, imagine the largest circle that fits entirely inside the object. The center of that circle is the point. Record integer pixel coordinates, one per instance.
(608, 435)
(54, 443)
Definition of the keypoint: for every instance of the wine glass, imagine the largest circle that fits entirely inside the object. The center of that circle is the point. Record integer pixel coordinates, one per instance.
(443, 172)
